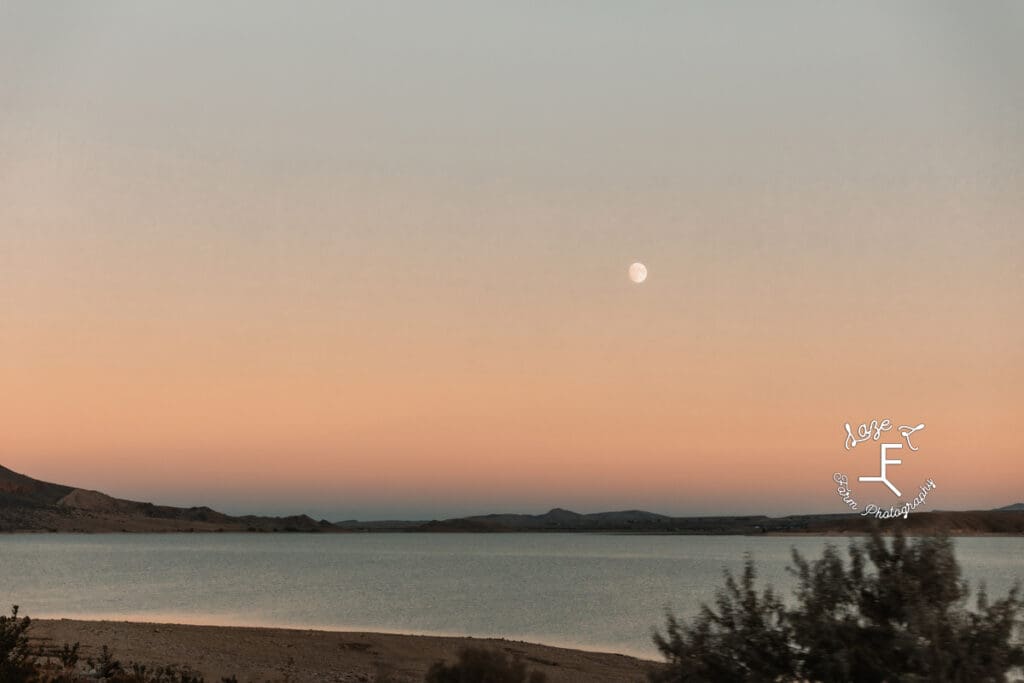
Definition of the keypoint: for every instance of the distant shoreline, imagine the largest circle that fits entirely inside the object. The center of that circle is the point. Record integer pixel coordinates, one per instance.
(31, 505)
(506, 532)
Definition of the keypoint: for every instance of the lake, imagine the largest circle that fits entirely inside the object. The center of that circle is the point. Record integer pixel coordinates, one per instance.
(593, 591)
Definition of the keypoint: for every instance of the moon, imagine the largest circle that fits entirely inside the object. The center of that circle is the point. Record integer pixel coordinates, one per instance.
(638, 272)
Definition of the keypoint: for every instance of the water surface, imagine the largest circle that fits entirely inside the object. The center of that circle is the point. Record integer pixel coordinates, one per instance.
(595, 591)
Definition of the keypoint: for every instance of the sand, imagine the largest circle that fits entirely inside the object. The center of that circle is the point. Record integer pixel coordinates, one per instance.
(270, 654)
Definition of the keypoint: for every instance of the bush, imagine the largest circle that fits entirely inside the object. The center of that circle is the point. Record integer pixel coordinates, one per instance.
(905, 619)
(68, 656)
(478, 665)
(17, 663)
(105, 665)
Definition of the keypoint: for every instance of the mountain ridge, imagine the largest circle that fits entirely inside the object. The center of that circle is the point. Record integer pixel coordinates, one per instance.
(28, 504)
(31, 505)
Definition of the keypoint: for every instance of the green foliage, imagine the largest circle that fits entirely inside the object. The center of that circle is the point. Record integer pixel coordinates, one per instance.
(904, 619)
(17, 663)
(743, 637)
(478, 665)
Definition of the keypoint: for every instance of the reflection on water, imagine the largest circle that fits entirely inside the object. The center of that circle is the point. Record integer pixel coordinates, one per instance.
(596, 591)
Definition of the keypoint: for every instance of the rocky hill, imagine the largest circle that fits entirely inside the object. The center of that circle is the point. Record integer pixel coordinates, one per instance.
(28, 504)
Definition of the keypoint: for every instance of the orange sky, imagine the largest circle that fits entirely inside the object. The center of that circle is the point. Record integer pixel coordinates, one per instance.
(274, 283)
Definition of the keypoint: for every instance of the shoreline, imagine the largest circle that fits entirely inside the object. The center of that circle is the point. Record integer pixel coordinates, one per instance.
(851, 533)
(255, 653)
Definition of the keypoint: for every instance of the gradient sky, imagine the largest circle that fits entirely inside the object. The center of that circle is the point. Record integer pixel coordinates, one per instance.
(369, 259)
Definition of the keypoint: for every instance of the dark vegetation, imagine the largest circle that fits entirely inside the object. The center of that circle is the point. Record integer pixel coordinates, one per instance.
(897, 611)
(479, 665)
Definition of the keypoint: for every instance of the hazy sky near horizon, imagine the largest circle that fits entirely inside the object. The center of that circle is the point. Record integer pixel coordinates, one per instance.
(369, 259)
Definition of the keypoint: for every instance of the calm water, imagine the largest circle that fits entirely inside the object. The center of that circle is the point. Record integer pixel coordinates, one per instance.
(594, 591)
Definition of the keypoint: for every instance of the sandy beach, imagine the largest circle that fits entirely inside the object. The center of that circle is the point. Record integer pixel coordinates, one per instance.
(270, 654)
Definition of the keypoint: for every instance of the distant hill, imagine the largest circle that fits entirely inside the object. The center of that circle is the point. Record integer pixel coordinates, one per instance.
(28, 504)
(639, 521)
(17, 489)
(559, 518)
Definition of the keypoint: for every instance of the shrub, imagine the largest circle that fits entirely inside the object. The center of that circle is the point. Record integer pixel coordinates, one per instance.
(140, 673)
(905, 619)
(17, 663)
(746, 633)
(68, 656)
(479, 665)
(105, 666)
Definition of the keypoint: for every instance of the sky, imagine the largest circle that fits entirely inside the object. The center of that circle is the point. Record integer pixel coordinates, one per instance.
(369, 259)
